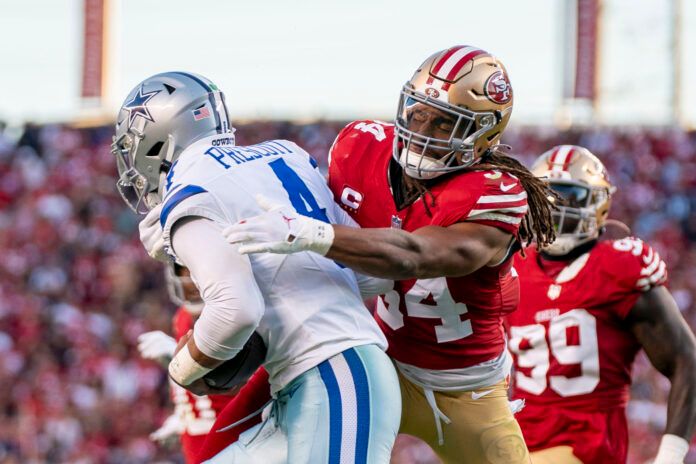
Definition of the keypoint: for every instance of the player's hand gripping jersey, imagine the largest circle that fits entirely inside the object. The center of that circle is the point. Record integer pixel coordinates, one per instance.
(312, 306)
(441, 323)
(573, 349)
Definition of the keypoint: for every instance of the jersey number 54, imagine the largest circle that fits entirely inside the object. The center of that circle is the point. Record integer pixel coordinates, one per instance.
(428, 298)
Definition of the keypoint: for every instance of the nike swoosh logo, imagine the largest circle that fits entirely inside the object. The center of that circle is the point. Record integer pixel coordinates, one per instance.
(505, 188)
(475, 396)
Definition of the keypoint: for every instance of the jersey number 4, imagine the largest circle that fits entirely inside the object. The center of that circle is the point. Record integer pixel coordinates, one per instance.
(428, 298)
(300, 196)
(538, 351)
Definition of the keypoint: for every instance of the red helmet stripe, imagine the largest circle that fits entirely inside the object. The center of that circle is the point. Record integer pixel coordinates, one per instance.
(452, 62)
(454, 59)
(560, 159)
(446, 56)
(460, 64)
(552, 158)
(569, 158)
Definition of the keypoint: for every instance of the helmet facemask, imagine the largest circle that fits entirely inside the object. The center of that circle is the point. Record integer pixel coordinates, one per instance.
(132, 185)
(577, 217)
(136, 189)
(423, 156)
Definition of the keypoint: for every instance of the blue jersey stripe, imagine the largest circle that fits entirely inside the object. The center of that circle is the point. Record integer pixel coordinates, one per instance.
(362, 399)
(335, 411)
(177, 198)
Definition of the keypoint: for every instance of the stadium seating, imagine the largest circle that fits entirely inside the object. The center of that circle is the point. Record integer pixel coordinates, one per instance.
(76, 287)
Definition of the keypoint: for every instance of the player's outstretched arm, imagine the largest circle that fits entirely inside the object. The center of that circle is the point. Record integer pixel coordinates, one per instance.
(428, 252)
(233, 301)
(671, 347)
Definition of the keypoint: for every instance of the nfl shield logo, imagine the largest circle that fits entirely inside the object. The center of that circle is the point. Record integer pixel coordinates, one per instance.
(396, 222)
(554, 291)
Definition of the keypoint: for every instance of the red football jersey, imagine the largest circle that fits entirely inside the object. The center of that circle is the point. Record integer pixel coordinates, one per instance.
(198, 413)
(439, 323)
(572, 350)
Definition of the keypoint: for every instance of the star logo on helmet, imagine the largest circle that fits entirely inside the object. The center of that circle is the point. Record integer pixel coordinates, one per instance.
(137, 106)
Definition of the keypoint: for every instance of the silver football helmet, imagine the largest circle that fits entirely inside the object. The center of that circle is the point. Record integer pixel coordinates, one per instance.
(160, 117)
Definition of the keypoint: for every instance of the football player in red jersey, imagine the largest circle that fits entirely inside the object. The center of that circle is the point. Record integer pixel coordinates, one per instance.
(443, 210)
(193, 415)
(587, 307)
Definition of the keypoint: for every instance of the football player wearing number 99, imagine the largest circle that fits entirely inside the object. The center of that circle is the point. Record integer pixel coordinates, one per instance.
(443, 210)
(587, 307)
(328, 371)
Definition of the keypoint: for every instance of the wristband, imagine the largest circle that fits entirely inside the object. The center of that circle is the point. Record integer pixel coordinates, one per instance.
(184, 370)
(672, 450)
(322, 237)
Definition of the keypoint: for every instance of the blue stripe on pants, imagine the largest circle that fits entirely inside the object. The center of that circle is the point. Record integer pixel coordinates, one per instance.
(335, 411)
(362, 399)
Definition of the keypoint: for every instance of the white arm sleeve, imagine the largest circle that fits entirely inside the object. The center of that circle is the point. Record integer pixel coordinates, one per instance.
(369, 286)
(372, 286)
(233, 302)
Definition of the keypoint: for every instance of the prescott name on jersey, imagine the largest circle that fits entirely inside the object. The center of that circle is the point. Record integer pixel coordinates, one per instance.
(313, 308)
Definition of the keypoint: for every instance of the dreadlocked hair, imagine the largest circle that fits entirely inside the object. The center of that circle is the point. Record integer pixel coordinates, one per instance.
(537, 225)
(415, 189)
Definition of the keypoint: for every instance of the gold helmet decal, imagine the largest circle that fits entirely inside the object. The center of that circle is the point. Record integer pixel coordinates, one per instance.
(498, 88)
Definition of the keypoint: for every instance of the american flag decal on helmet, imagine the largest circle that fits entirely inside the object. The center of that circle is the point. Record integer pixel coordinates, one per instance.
(201, 113)
(447, 66)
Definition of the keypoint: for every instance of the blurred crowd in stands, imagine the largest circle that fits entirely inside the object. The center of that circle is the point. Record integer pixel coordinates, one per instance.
(76, 287)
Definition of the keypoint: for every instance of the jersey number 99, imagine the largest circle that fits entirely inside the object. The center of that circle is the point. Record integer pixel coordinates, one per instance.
(537, 355)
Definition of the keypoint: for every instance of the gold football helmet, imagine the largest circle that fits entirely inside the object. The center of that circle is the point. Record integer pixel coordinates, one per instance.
(451, 112)
(582, 182)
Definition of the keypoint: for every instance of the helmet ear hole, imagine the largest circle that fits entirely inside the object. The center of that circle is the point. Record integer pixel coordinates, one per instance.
(155, 149)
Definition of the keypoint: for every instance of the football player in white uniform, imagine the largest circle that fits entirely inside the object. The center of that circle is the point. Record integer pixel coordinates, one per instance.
(175, 153)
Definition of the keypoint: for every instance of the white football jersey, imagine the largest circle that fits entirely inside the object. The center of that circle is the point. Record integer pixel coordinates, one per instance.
(313, 309)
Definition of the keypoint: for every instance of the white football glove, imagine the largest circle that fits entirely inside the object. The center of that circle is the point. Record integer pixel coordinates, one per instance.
(673, 450)
(170, 431)
(157, 346)
(280, 230)
(152, 236)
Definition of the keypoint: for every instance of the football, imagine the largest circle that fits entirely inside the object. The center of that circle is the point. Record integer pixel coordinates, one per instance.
(236, 371)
